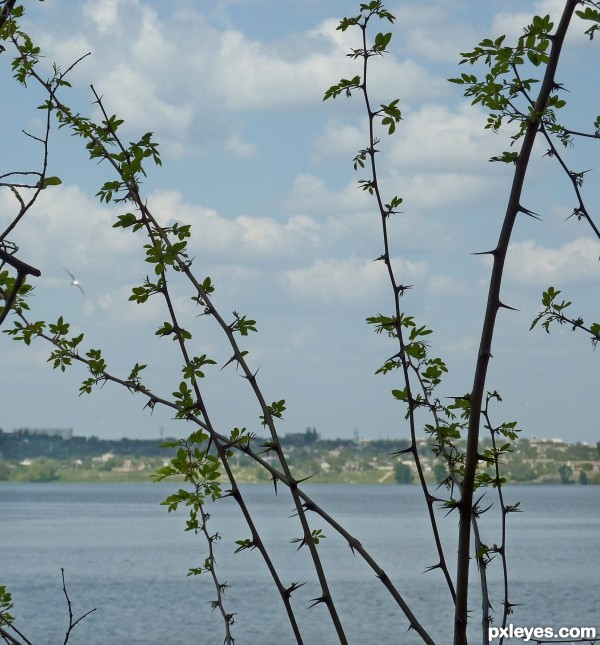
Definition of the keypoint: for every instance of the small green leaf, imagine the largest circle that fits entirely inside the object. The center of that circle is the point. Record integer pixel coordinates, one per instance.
(51, 181)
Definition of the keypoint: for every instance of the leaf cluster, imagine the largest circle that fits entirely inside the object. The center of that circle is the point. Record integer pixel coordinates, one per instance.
(505, 91)
(554, 312)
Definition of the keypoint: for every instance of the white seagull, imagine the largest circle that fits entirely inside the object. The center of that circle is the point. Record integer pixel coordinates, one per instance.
(75, 282)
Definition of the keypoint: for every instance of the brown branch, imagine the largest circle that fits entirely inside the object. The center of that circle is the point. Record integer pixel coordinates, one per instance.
(72, 624)
(485, 347)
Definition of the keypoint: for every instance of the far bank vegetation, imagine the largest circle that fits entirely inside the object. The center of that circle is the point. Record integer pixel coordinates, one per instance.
(29, 456)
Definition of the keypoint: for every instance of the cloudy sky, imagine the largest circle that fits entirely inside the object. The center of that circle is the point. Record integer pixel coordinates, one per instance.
(262, 170)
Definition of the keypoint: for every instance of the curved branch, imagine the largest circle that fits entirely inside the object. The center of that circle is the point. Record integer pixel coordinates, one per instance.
(485, 347)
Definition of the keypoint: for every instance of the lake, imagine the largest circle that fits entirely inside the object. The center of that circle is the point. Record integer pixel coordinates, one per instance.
(126, 556)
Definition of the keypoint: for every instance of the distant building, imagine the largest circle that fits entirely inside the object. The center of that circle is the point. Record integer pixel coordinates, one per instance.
(107, 456)
(309, 436)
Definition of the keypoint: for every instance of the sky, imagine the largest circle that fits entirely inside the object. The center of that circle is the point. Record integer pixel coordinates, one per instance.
(261, 168)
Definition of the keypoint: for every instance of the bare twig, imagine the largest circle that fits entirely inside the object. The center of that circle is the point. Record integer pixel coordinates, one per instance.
(72, 624)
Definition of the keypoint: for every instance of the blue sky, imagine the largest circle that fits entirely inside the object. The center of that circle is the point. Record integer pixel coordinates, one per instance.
(261, 168)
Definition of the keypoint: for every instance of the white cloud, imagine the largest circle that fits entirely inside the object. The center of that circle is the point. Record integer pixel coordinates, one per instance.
(438, 138)
(445, 285)
(460, 346)
(344, 281)
(68, 228)
(530, 263)
(310, 194)
(248, 239)
(340, 140)
(167, 71)
(512, 24)
(103, 13)
(431, 30)
(438, 159)
(426, 191)
(240, 148)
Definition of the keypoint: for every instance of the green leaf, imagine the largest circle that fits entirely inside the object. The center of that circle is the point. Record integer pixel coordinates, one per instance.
(507, 157)
(244, 544)
(381, 42)
(51, 181)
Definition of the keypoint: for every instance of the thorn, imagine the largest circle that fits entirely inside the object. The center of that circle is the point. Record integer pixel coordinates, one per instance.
(464, 397)
(493, 252)
(382, 575)
(299, 481)
(478, 512)
(227, 363)
(477, 502)
(401, 288)
(353, 544)
(433, 499)
(317, 601)
(579, 212)
(503, 306)
(295, 585)
(401, 452)
(308, 506)
(150, 404)
(526, 211)
(433, 567)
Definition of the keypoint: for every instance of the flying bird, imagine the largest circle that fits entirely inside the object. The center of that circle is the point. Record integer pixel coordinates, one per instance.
(75, 282)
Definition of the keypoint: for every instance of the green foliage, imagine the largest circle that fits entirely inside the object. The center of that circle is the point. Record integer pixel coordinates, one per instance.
(275, 410)
(40, 470)
(244, 544)
(593, 15)
(7, 285)
(522, 472)
(202, 460)
(403, 473)
(505, 89)
(554, 312)
(6, 606)
(51, 181)
(440, 473)
(345, 85)
(242, 324)
(316, 536)
(565, 472)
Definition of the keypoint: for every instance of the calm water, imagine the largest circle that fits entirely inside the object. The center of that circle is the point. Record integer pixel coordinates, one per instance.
(126, 556)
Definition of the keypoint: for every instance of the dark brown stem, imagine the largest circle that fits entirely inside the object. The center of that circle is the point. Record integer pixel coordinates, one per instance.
(485, 347)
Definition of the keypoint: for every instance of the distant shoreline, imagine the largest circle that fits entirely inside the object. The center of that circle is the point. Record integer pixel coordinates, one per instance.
(143, 478)
(45, 455)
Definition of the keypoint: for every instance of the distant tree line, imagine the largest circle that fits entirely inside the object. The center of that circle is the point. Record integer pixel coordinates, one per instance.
(22, 445)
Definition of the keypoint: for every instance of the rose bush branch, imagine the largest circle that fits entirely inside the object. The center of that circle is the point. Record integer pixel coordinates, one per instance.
(163, 253)
(540, 47)
(412, 358)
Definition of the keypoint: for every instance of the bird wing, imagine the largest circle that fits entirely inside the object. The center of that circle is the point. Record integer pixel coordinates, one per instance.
(74, 282)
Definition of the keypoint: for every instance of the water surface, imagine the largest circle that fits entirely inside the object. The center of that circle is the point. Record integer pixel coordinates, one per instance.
(125, 555)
